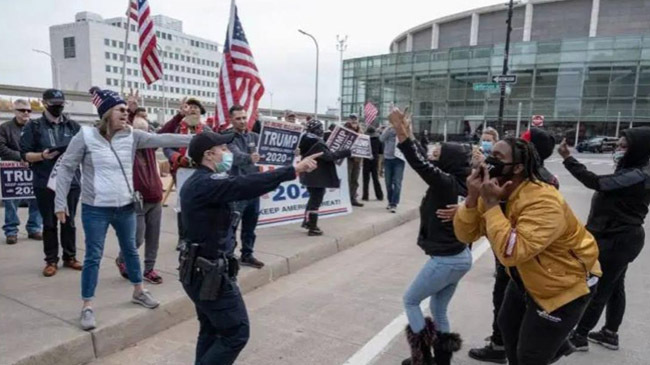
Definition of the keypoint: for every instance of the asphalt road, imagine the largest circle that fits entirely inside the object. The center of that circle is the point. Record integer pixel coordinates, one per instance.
(347, 309)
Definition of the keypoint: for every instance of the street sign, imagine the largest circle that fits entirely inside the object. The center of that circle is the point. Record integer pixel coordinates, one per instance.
(506, 79)
(486, 86)
(537, 121)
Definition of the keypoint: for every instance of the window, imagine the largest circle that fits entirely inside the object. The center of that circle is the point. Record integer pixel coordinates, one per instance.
(107, 55)
(136, 73)
(177, 79)
(157, 34)
(107, 42)
(114, 43)
(108, 68)
(128, 59)
(115, 56)
(182, 68)
(108, 82)
(183, 58)
(133, 27)
(69, 50)
(121, 57)
(176, 67)
(128, 71)
(176, 56)
(135, 59)
(129, 84)
(115, 69)
(121, 45)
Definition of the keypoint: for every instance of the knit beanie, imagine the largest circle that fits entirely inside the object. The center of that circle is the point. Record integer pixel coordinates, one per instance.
(543, 141)
(104, 100)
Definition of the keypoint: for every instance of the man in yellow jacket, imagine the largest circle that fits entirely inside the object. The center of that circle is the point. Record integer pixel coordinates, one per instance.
(550, 256)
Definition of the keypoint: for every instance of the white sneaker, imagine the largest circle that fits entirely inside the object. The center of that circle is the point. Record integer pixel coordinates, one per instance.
(87, 319)
(393, 209)
(145, 299)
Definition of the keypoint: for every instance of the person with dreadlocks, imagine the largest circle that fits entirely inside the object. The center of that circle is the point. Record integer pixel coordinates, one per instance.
(550, 256)
(324, 176)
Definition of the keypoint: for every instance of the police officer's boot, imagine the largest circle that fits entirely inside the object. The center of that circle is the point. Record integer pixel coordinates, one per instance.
(444, 346)
(312, 222)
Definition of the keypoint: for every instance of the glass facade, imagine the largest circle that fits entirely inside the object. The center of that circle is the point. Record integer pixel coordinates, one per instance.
(590, 81)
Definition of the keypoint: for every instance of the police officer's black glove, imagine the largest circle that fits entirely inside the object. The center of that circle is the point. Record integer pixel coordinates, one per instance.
(233, 267)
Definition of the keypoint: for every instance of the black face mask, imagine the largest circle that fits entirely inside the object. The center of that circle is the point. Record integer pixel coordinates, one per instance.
(496, 168)
(55, 110)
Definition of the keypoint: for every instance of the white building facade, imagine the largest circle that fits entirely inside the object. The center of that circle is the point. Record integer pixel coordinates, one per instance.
(90, 52)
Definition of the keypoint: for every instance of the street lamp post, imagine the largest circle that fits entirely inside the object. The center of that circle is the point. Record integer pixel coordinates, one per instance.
(55, 65)
(164, 100)
(341, 46)
(316, 91)
(506, 55)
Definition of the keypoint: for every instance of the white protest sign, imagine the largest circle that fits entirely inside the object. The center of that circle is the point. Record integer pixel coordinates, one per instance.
(286, 204)
(361, 147)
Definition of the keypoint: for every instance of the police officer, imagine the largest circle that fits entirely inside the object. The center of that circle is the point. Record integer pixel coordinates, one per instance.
(207, 274)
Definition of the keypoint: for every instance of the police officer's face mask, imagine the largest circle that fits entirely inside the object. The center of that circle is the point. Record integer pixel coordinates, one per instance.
(226, 162)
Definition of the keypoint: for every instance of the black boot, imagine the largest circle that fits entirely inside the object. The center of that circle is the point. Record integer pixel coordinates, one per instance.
(420, 344)
(490, 353)
(444, 346)
(312, 222)
(304, 224)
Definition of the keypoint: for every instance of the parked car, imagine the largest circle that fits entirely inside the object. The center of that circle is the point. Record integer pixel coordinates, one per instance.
(597, 144)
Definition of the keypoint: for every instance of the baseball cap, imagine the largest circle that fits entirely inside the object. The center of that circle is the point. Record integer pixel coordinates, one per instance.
(204, 141)
(353, 116)
(54, 96)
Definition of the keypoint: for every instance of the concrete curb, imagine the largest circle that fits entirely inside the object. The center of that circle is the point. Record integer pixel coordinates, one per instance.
(115, 337)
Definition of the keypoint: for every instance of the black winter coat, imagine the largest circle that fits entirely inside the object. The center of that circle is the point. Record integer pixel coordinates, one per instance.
(446, 180)
(325, 174)
(621, 199)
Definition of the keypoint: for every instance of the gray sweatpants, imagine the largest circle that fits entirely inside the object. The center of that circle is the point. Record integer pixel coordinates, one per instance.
(148, 232)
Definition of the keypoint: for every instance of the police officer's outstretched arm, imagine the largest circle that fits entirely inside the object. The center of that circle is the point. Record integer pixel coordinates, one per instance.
(234, 188)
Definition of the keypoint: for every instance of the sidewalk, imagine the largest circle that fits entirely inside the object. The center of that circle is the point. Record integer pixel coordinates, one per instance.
(39, 316)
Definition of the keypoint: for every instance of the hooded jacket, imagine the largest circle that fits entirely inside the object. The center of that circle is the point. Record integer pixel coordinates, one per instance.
(621, 199)
(446, 180)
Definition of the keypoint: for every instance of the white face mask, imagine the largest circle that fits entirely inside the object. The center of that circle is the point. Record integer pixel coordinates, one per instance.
(618, 156)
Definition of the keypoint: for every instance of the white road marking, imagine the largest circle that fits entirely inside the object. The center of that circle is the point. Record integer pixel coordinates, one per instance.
(377, 344)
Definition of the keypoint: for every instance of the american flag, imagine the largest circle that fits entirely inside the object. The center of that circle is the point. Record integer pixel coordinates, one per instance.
(239, 79)
(149, 60)
(370, 111)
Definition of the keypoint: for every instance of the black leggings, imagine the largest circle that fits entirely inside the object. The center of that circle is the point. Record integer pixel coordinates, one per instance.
(532, 336)
(616, 252)
(315, 199)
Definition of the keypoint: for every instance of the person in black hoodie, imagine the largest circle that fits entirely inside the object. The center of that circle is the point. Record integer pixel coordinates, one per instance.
(618, 209)
(324, 176)
(449, 259)
(371, 167)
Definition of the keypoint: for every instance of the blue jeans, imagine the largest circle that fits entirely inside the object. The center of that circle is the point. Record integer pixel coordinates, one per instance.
(34, 222)
(393, 173)
(437, 280)
(249, 212)
(96, 221)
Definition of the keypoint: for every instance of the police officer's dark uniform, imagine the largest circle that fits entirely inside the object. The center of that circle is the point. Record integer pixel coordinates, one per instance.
(208, 276)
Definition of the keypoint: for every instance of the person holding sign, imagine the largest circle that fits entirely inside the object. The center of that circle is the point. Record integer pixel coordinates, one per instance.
(106, 153)
(42, 142)
(323, 177)
(10, 151)
(243, 147)
(354, 163)
(371, 166)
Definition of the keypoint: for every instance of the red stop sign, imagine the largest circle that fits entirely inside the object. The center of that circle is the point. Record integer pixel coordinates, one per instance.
(538, 121)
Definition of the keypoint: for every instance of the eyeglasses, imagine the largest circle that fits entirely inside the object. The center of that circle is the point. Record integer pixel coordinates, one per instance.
(24, 110)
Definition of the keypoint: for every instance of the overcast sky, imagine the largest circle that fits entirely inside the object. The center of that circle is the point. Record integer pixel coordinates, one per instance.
(286, 58)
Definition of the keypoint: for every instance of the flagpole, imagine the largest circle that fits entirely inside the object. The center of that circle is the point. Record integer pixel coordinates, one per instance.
(126, 44)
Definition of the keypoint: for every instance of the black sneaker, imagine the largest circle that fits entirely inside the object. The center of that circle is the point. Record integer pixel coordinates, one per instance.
(579, 342)
(489, 353)
(605, 338)
(355, 203)
(565, 350)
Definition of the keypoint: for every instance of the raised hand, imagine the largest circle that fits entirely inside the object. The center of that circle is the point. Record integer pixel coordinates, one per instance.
(563, 149)
(132, 100)
(491, 191)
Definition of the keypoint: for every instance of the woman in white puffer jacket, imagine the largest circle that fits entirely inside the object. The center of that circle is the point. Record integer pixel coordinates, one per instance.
(106, 154)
